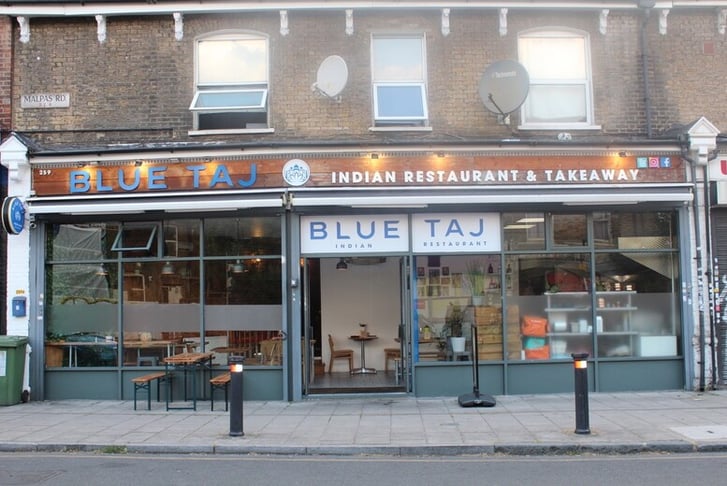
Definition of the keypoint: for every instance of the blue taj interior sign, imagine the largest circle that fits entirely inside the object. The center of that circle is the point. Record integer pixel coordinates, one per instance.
(456, 233)
(351, 234)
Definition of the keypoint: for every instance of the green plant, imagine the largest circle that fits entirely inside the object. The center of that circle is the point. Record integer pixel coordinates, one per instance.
(54, 337)
(453, 321)
(475, 277)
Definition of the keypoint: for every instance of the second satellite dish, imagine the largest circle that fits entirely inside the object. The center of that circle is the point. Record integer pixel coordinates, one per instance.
(332, 76)
(504, 86)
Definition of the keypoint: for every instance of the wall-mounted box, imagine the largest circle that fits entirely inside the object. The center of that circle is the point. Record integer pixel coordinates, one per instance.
(19, 306)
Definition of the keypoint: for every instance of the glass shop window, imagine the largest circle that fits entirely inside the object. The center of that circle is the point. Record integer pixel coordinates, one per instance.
(138, 240)
(524, 231)
(77, 242)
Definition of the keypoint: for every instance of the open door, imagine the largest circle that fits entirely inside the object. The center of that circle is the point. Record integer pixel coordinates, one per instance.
(310, 320)
(344, 296)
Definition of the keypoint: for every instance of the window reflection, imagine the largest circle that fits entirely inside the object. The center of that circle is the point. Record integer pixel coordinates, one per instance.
(655, 230)
(524, 231)
(242, 236)
(570, 230)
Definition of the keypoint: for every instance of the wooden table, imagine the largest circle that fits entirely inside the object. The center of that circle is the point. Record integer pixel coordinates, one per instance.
(234, 350)
(363, 340)
(170, 345)
(192, 362)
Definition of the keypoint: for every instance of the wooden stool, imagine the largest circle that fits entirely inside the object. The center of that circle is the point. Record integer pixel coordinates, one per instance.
(397, 367)
(391, 353)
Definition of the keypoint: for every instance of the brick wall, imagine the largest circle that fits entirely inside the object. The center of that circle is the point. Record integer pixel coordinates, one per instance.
(138, 84)
(6, 33)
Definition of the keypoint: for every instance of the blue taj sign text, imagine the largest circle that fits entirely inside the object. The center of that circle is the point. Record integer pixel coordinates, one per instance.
(438, 228)
(319, 230)
(154, 178)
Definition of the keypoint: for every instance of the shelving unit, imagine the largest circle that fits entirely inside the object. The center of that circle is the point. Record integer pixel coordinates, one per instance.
(570, 318)
(488, 320)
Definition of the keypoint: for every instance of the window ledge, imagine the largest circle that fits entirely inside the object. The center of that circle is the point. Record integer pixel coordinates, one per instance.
(400, 129)
(234, 131)
(555, 126)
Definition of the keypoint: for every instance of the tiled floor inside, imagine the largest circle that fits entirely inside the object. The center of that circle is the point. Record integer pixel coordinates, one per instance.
(343, 382)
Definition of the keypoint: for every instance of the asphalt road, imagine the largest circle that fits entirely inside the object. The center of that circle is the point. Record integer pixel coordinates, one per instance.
(122, 469)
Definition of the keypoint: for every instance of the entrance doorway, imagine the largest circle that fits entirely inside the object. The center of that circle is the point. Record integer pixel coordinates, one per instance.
(355, 320)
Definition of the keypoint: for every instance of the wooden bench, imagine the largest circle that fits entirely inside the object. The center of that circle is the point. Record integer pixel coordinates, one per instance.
(144, 383)
(220, 382)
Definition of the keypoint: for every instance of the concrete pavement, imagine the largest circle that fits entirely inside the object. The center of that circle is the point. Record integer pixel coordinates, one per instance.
(673, 421)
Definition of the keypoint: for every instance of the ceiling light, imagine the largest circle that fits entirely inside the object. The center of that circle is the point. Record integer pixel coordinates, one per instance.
(167, 269)
(519, 226)
(238, 268)
(341, 265)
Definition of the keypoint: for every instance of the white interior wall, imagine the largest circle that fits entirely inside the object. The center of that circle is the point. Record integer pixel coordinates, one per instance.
(367, 294)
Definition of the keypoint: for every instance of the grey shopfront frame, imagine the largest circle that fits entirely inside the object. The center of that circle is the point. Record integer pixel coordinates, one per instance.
(428, 379)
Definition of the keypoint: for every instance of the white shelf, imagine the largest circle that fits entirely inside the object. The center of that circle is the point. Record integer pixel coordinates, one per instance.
(569, 308)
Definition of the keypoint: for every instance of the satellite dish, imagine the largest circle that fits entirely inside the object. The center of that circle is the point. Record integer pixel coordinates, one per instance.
(504, 86)
(332, 76)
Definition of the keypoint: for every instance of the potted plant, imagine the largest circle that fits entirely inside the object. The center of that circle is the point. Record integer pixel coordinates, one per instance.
(475, 280)
(453, 321)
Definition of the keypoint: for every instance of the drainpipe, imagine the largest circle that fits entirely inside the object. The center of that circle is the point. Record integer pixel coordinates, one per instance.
(703, 160)
(711, 269)
(647, 6)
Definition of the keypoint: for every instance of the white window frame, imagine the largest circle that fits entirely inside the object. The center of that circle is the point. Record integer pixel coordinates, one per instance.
(259, 106)
(404, 121)
(586, 82)
(258, 85)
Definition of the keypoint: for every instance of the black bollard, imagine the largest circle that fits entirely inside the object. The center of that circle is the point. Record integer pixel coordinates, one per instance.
(580, 365)
(236, 395)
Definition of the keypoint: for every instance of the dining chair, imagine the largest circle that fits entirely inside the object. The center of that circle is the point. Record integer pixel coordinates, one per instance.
(271, 351)
(339, 354)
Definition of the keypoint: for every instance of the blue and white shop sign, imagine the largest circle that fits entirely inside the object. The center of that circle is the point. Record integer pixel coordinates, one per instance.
(13, 215)
(456, 233)
(352, 234)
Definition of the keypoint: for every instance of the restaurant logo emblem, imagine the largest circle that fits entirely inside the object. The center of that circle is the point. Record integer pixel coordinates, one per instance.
(296, 172)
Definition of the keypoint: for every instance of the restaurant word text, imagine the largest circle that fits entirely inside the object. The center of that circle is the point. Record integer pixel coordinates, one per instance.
(484, 176)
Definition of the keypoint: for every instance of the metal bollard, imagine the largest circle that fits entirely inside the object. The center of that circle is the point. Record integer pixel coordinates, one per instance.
(236, 395)
(580, 365)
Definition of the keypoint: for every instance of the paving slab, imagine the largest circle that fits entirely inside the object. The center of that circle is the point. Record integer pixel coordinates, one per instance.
(620, 423)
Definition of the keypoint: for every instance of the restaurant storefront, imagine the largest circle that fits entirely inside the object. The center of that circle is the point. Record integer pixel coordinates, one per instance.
(144, 255)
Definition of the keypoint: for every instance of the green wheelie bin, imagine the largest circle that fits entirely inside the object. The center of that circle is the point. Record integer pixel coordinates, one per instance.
(12, 367)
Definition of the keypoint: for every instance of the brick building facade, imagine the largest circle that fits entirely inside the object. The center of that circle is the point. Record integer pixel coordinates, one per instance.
(650, 86)
(110, 82)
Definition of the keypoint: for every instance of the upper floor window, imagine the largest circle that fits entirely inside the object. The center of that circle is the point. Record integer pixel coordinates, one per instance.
(231, 83)
(559, 67)
(398, 74)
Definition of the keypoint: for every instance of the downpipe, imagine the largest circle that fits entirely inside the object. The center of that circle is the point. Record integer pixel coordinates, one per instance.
(702, 326)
